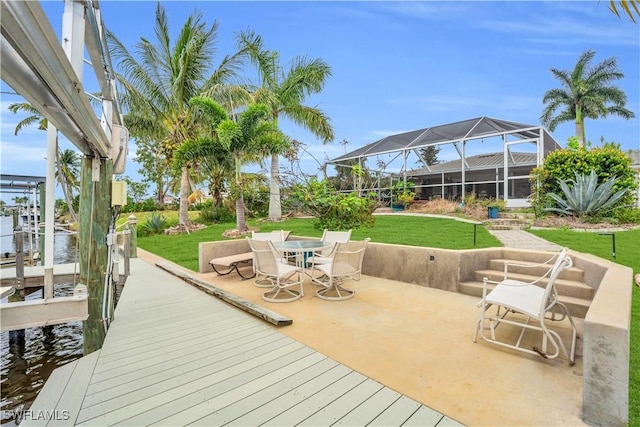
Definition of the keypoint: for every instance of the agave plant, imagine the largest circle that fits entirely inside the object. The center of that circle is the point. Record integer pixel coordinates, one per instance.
(156, 223)
(584, 196)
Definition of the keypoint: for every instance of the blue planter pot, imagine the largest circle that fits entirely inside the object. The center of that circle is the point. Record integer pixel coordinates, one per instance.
(493, 213)
(397, 208)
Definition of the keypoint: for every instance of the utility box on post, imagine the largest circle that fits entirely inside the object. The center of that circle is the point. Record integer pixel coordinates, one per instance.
(118, 193)
(119, 140)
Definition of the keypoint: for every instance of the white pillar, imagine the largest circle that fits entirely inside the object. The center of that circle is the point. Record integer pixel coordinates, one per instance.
(49, 219)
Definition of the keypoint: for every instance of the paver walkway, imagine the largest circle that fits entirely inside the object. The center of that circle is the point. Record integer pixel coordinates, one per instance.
(521, 239)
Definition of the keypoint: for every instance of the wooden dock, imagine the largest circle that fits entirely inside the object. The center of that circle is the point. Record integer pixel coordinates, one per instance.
(176, 356)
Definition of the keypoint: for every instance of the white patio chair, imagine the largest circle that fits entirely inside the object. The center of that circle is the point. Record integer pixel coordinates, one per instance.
(537, 301)
(271, 236)
(276, 273)
(324, 256)
(346, 263)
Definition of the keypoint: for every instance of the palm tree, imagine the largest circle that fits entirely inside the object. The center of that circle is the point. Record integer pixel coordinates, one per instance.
(585, 93)
(67, 173)
(244, 137)
(284, 94)
(628, 6)
(67, 162)
(34, 117)
(159, 83)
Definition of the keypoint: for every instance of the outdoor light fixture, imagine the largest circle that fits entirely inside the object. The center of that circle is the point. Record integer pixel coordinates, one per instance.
(613, 242)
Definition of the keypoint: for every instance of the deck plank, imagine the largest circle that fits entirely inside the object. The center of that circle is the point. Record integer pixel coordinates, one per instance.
(275, 407)
(275, 396)
(239, 392)
(175, 356)
(364, 413)
(51, 392)
(74, 392)
(424, 417)
(187, 387)
(298, 413)
(396, 414)
(342, 406)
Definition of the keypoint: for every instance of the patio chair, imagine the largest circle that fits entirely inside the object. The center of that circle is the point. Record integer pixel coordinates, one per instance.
(324, 256)
(272, 236)
(276, 273)
(522, 302)
(346, 263)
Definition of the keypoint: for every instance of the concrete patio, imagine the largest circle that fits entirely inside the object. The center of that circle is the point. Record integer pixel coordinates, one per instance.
(418, 341)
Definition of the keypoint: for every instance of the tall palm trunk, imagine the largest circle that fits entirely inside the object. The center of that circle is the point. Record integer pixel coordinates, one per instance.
(580, 126)
(275, 208)
(241, 221)
(66, 189)
(184, 196)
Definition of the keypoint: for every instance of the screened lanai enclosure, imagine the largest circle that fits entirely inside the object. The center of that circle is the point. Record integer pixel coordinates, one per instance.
(486, 157)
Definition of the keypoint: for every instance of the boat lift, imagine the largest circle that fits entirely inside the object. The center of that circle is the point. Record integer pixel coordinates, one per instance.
(49, 75)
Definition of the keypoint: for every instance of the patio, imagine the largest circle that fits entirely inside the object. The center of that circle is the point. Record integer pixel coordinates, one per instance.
(417, 341)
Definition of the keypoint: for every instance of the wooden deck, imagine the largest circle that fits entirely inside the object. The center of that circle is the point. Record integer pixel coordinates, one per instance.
(176, 356)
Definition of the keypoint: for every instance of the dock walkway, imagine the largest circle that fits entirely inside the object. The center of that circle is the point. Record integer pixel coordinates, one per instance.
(176, 356)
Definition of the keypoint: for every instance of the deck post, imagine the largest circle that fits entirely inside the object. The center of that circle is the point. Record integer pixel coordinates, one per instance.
(14, 216)
(133, 247)
(95, 217)
(126, 250)
(19, 237)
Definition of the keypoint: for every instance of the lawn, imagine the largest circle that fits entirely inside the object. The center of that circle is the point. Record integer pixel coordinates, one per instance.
(437, 233)
(407, 230)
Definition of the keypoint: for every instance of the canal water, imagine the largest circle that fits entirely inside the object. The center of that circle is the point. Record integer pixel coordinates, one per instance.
(28, 362)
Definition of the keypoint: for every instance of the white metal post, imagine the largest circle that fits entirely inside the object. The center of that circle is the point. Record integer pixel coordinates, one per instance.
(462, 163)
(505, 170)
(49, 218)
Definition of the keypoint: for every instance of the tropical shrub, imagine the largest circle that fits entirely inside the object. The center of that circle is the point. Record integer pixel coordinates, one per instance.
(332, 210)
(561, 165)
(216, 215)
(585, 196)
(627, 215)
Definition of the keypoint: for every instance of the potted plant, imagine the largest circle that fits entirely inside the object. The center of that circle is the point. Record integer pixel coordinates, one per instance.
(494, 207)
(403, 195)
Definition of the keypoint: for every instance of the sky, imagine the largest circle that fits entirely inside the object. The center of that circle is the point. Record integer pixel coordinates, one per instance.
(396, 66)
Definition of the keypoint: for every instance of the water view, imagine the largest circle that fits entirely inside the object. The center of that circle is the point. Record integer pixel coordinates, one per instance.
(29, 356)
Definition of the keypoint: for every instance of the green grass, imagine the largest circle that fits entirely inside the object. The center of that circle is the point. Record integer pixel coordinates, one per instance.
(627, 253)
(416, 231)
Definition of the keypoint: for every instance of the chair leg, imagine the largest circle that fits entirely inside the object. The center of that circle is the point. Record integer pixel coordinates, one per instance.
(282, 292)
(335, 292)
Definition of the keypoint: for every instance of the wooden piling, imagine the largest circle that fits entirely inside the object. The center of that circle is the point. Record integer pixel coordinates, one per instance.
(133, 246)
(19, 242)
(95, 216)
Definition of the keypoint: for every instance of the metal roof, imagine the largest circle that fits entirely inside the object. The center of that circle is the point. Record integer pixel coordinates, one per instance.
(481, 127)
(478, 162)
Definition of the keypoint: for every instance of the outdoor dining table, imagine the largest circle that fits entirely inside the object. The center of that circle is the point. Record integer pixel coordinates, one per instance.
(302, 249)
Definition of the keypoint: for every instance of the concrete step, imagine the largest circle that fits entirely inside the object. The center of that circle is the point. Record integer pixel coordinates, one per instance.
(535, 269)
(578, 307)
(508, 224)
(571, 288)
(517, 215)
